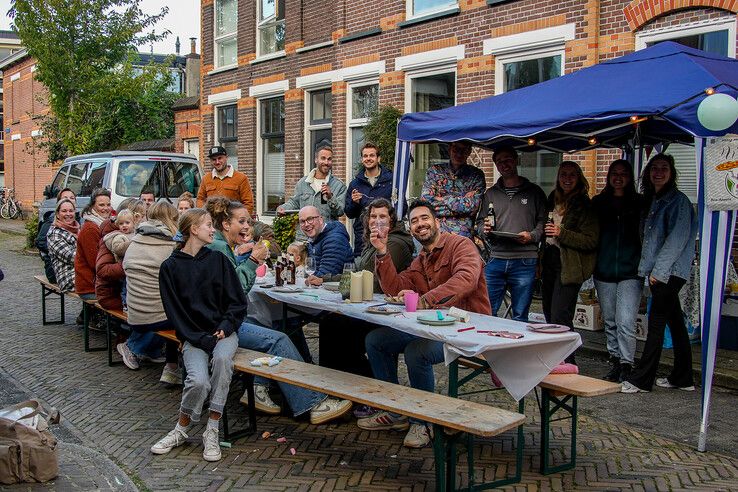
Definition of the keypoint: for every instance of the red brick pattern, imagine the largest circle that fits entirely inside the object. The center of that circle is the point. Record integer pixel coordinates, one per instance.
(640, 12)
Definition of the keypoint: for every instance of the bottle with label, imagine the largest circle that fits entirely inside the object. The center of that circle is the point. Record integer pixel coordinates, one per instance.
(292, 270)
(491, 217)
(550, 219)
(278, 272)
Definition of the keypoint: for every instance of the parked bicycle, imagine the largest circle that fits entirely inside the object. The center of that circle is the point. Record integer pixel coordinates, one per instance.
(10, 207)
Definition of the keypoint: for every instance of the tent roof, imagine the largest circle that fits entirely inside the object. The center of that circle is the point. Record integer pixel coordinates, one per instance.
(665, 83)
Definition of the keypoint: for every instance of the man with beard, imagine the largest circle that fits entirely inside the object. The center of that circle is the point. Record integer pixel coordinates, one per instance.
(225, 181)
(447, 272)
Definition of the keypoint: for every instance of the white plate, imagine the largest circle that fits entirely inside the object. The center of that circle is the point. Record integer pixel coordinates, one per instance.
(434, 321)
(331, 286)
(548, 328)
(287, 290)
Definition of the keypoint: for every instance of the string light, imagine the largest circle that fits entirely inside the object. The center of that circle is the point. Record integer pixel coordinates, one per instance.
(531, 141)
(634, 118)
(592, 141)
(710, 91)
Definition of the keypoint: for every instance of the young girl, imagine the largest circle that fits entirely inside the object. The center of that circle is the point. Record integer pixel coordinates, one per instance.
(203, 299)
(185, 202)
(298, 250)
(118, 241)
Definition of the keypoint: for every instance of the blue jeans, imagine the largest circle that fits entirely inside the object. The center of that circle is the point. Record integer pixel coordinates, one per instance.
(275, 342)
(519, 276)
(146, 343)
(383, 345)
(619, 303)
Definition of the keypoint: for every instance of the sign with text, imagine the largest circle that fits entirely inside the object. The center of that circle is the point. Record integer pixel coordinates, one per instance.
(721, 173)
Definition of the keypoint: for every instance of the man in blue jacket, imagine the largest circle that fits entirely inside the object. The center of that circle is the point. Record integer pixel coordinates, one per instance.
(328, 243)
(374, 181)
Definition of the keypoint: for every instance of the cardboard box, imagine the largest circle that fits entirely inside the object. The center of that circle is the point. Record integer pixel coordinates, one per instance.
(587, 317)
(641, 328)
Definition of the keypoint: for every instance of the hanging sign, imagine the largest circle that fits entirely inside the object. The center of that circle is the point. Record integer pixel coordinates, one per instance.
(721, 173)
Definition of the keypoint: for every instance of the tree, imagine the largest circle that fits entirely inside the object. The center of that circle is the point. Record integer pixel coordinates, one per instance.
(85, 51)
(382, 132)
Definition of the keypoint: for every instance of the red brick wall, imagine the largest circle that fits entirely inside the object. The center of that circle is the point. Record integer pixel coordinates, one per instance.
(186, 127)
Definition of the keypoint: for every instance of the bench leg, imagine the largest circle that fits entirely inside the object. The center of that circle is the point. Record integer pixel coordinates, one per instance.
(46, 292)
(550, 404)
(251, 428)
(110, 342)
(86, 322)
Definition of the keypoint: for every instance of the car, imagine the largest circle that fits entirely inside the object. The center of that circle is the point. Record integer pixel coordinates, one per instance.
(125, 174)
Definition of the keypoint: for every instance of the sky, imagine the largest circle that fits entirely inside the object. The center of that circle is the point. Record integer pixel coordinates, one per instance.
(183, 20)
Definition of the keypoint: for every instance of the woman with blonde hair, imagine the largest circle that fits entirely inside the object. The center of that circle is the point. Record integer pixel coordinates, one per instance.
(185, 202)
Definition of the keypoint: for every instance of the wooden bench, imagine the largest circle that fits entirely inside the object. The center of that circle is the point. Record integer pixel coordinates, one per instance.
(557, 390)
(50, 289)
(443, 412)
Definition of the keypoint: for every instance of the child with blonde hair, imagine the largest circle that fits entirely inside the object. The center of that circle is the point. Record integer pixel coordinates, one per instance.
(118, 241)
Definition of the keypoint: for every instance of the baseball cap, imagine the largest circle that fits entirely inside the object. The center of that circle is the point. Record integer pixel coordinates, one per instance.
(216, 151)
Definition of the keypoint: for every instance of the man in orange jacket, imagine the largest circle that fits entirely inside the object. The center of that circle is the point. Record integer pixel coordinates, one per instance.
(225, 181)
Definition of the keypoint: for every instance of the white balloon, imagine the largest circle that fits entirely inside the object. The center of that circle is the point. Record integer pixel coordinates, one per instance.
(717, 112)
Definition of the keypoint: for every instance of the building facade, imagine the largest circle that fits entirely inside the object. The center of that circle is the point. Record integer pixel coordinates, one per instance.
(9, 44)
(281, 77)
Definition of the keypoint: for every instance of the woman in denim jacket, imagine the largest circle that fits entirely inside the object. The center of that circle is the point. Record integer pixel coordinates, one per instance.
(669, 233)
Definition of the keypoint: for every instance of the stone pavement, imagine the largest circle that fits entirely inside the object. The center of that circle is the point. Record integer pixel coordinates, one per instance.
(626, 442)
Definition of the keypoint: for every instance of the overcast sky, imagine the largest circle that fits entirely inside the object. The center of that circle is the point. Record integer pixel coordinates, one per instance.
(183, 20)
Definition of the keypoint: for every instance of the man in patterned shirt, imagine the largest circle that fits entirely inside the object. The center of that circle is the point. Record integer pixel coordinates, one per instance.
(455, 189)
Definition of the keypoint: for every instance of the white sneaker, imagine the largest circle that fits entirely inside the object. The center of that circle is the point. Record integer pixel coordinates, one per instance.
(211, 444)
(664, 383)
(129, 358)
(329, 409)
(171, 376)
(155, 360)
(263, 403)
(419, 436)
(629, 387)
(170, 441)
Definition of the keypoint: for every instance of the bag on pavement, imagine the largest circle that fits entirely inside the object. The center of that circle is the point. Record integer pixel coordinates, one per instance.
(27, 448)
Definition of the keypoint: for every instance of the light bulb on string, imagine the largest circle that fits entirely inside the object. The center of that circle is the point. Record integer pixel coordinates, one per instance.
(531, 141)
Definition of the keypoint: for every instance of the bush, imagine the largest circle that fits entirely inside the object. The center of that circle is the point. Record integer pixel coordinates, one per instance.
(32, 230)
(382, 131)
(285, 229)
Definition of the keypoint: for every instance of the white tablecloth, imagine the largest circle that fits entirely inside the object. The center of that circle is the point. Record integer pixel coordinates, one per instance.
(519, 363)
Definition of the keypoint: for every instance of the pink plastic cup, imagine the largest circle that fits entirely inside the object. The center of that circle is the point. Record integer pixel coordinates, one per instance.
(261, 270)
(411, 301)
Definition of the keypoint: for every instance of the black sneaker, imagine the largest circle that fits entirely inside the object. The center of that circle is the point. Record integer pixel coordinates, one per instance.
(625, 372)
(615, 370)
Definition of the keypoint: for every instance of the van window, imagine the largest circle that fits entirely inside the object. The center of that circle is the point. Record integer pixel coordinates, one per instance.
(133, 176)
(77, 177)
(58, 183)
(180, 177)
(95, 177)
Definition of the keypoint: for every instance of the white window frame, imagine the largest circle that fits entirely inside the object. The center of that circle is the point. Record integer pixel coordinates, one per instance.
(226, 37)
(308, 128)
(259, 24)
(352, 122)
(442, 9)
(262, 95)
(216, 130)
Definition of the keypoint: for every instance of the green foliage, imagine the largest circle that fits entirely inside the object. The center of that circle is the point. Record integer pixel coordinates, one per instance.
(285, 228)
(32, 230)
(382, 131)
(84, 51)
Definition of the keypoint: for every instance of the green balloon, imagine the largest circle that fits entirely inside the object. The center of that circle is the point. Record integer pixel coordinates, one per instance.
(717, 112)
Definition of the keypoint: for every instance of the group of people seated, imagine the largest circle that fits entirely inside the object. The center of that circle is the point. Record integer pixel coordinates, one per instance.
(191, 270)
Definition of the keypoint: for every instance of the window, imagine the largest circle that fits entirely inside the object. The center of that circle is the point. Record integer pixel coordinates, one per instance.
(424, 7)
(711, 36)
(134, 176)
(227, 136)
(180, 177)
(272, 154)
(58, 183)
(521, 70)
(429, 93)
(270, 26)
(192, 147)
(77, 177)
(95, 176)
(319, 128)
(226, 27)
(364, 103)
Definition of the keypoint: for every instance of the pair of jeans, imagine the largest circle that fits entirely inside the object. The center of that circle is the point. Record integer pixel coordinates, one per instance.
(619, 303)
(559, 300)
(519, 276)
(201, 382)
(293, 331)
(384, 345)
(665, 308)
(275, 342)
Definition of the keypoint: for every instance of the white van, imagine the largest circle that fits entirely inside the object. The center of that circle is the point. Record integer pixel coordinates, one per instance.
(125, 174)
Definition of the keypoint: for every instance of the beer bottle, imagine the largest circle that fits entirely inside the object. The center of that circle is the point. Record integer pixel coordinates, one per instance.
(292, 270)
(550, 219)
(278, 271)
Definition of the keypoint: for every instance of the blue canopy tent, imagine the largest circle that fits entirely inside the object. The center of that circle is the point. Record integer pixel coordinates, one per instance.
(649, 97)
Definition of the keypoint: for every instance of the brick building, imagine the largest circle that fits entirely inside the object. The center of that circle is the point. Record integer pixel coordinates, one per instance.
(9, 44)
(279, 77)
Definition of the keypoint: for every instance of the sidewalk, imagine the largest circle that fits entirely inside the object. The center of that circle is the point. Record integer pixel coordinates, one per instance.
(13, 226)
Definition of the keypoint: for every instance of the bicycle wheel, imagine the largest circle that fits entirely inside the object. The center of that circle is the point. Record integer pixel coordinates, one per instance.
(15, 210)
(5, 210)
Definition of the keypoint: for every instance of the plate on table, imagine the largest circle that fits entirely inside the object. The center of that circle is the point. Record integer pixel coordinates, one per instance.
(287, 290)
(548, 328)
(331, 286)
(394, 300)
(433, 320)
(510, 235)
(383, 310)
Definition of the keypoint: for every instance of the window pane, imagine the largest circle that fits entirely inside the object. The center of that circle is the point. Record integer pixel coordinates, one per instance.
(268, 8)
(226, 52)
(364, 101)
(713, 42)
(226, 17)
(180, 177)
(319, 138)
(540, 168)
(357, 141)
(58, 183)
(320, 107)
(133, 176)
(95, 175)
(271, 37)
(227, 123)
(429, 94)
(76, 177)
(272, 116)
(528, 72)
(273, 185)
(422, 6)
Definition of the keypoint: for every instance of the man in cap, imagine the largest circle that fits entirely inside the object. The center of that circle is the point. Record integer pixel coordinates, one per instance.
(225, 181)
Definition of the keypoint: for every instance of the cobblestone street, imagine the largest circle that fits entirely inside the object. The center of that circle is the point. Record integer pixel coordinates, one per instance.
(112, 415)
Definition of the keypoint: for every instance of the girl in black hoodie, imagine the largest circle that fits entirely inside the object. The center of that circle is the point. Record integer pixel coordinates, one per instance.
(203, 300)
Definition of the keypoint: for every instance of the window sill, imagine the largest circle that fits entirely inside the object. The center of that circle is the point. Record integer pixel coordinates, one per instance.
(430, 17)
(270, 56)
(497, 2)
(312, 47)
(223, 69)
(360, 35)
